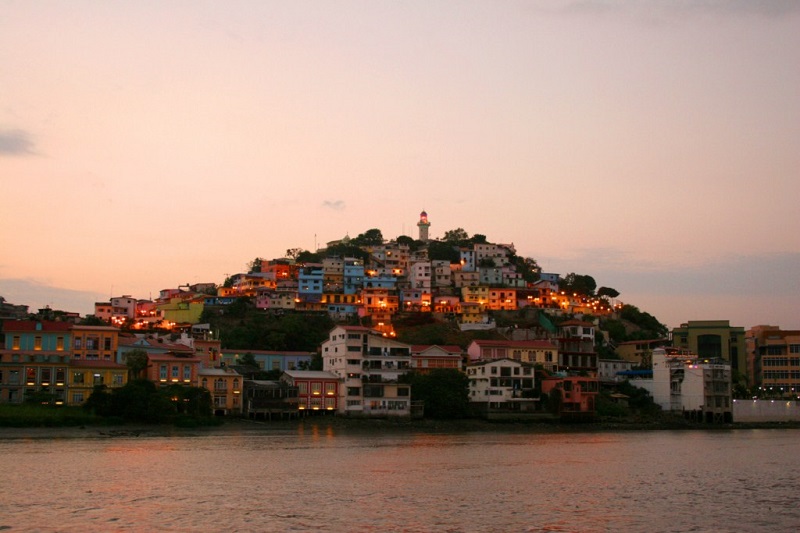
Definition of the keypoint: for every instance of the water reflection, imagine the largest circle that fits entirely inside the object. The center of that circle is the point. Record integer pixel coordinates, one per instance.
(318, 477)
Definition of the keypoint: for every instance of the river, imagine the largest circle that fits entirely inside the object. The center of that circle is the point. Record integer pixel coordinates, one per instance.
(323, 478)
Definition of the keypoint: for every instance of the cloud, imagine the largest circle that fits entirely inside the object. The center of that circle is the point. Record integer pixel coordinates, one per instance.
(36, 294)
(15, 142)
(682, 8)
(336, 205)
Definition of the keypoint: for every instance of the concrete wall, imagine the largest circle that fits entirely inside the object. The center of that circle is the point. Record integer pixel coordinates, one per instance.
(766, 411)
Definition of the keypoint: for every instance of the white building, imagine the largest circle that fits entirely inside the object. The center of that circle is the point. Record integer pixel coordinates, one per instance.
(369, 366)
(683, 382)
(501, 385)
(607, 369)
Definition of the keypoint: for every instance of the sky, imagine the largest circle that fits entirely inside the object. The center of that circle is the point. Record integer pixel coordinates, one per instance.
(652, 145)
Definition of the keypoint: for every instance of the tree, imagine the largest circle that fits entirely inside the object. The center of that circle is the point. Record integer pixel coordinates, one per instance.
(478, 239)
(308, 257)
(91, 320)
(457, 236)
(249, 359)
(292, 253)
(371, 237)
(444, 391)
(136, 361)
(254, 265)
(443, 251)
(578, 283)
(607, 292)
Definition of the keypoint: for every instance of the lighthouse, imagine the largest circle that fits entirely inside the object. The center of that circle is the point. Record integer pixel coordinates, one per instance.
(423, 226)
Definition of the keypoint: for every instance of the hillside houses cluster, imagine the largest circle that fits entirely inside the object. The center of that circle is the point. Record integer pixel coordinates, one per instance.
(363, 371)
(387, 279)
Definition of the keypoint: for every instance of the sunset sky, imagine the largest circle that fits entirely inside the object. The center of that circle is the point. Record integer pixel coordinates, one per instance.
(653, 145)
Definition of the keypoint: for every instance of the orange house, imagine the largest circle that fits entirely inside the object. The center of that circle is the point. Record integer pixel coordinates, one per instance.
(169, 369)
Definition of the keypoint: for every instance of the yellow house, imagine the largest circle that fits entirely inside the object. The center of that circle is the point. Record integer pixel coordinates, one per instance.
(84, 375)
(478, 294)
(94, 343)
(225, 386)
(182, 311)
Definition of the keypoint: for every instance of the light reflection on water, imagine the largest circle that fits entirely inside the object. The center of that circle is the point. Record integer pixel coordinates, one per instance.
(320, 478)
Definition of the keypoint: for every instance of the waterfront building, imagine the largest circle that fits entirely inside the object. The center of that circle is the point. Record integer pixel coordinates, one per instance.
(501, 386)
(575, 396)
(316, 390)
(773, 360)
(267, 398)
(684, 382)
(369, 366)
(86, 374)
(713, 339)
(171, 369)
(427, 357)
(225, 386)
(98, 343)
(35, 359)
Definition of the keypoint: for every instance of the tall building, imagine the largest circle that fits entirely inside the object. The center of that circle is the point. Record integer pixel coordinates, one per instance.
(423, 226)
(369, 366)
(713, 339)
(773, 359)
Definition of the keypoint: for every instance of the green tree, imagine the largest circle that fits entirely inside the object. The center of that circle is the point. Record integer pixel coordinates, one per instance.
(371, 237)
(136, 361)
(445, 392)
(248, 359)
(457, 237)
(443, 251)
(92, 320)
(578, 283)
(308, 257)
(254, 266)
(292, 253)
(607, 292)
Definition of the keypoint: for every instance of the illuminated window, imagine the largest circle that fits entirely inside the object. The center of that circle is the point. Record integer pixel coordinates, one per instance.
(15, 343)
(46, 375)
(37, 343)
(187, 372)
(60, 343)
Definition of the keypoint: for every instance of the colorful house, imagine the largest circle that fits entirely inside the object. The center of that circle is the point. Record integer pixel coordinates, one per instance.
(316, 390)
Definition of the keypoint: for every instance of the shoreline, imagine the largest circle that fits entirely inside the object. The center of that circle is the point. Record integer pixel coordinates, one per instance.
(239, 426)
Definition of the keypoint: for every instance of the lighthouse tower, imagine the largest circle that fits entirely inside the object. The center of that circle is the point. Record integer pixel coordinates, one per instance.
(423, 226)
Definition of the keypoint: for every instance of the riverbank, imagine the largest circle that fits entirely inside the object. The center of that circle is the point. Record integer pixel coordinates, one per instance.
(238, 426)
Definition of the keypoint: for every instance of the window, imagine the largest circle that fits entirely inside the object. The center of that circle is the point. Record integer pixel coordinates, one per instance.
(30, 376)
(330, 389)
(175, 372)
(354, 391)
(402, 391)
(187, 372)
(78, 343)
(97, 379)
(13, 377)
(37, 343)
(77, 397)
(46, 374)
(15, 343)
(117, 379)
(107, 343)
(316, 388)
(163, 373)
(60, 343)
(302, 387)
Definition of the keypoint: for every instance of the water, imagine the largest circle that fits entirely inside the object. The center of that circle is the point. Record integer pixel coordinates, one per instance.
(320, 478)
